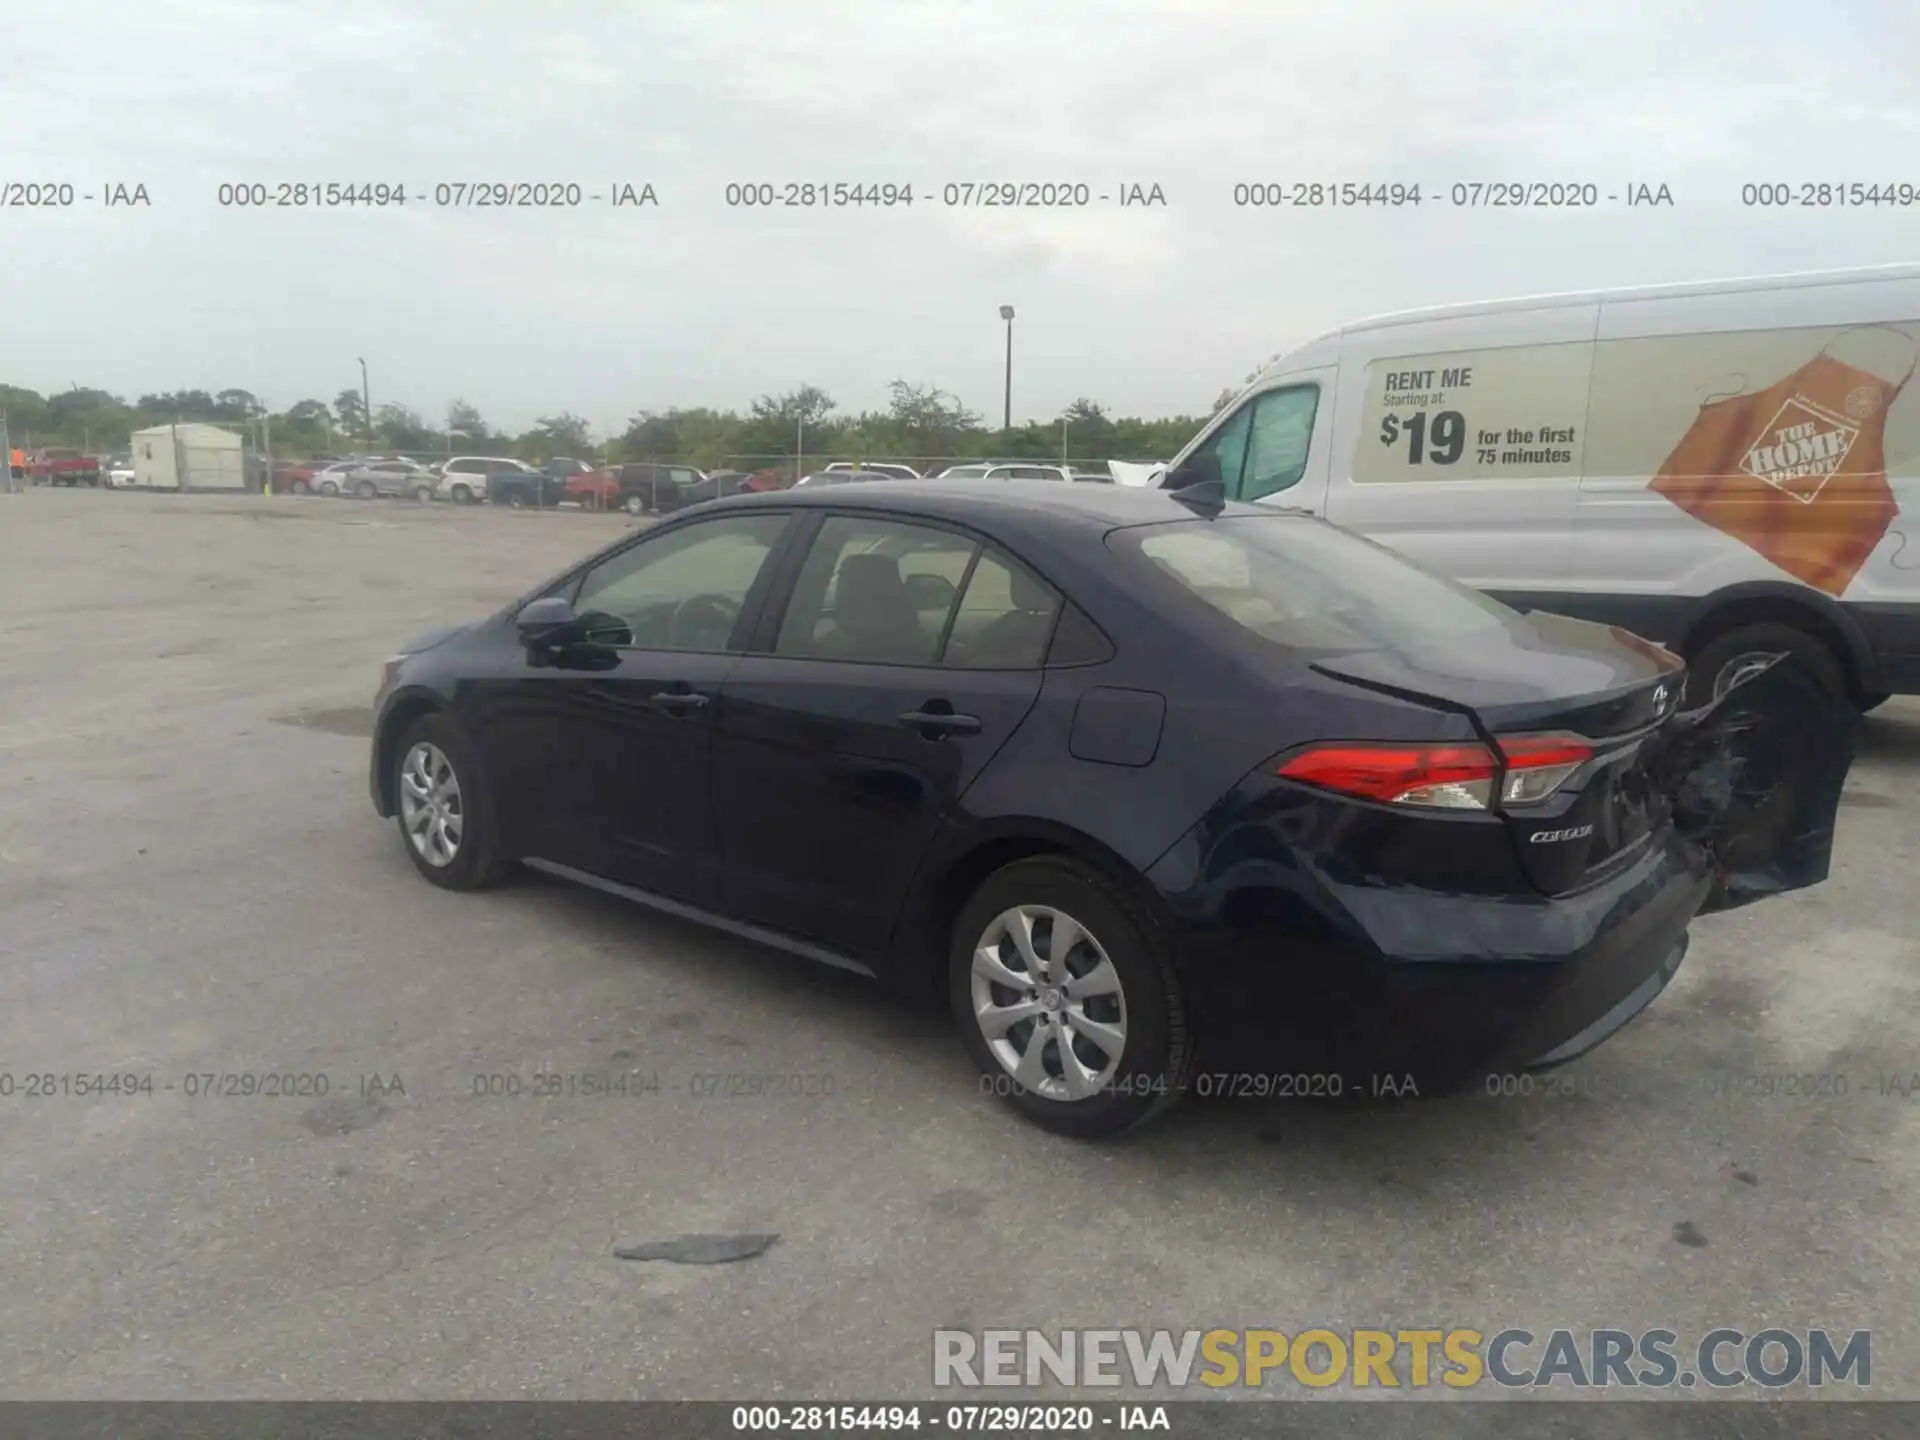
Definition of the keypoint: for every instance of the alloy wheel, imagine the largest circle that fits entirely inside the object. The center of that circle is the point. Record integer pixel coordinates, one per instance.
(635, 505)
(431, 810)
(1049, 1002)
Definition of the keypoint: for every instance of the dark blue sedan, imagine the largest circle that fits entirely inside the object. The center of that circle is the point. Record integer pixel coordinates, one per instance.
(1158, 794)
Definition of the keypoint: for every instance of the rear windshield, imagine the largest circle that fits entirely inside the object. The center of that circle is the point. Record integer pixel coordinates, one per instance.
(1310, 586)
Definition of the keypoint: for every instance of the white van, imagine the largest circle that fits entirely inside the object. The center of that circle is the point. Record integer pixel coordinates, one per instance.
(1730, 469)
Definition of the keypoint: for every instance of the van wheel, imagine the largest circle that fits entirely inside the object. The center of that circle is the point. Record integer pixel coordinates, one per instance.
(1726, 658)
(635, 505)
(1066, 1001)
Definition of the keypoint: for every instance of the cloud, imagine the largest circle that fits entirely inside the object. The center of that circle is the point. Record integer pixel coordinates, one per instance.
(703, 302)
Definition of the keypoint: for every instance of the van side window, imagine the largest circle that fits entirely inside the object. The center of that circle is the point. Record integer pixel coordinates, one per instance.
(1229, 442)
(1277, 442)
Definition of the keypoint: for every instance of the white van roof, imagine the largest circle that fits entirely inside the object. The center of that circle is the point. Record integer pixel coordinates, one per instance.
(1862, 275)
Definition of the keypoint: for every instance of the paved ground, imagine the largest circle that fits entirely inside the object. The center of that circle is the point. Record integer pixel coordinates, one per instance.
(192, 882)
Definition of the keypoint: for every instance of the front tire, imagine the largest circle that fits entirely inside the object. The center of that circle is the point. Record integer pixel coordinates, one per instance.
(1066, 1001)
(634, 505)
(444, 807)
(301, 487)
(424, 494)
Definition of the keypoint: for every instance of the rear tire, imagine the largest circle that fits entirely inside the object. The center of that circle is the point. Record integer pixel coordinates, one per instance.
(477, 860)
(462, 495)
(301, 487)
(423, 493)
(1115, 980)
(634, 505)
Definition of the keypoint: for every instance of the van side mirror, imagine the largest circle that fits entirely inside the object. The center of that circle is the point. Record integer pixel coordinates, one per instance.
(1200, 468)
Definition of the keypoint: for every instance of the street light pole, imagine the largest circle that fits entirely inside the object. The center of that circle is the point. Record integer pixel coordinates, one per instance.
(366, 406)
(1006, 414)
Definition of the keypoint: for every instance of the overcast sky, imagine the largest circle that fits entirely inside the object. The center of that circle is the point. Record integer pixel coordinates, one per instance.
(1149, 311)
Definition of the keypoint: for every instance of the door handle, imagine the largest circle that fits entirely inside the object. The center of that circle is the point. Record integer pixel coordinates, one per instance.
(935, 723)
(679, 702)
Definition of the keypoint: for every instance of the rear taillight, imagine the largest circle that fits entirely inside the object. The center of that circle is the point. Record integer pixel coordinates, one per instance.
(1528, 769)
(1435, 777)
(1538, 765)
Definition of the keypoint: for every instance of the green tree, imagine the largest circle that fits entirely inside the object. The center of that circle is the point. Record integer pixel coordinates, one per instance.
(566, 434)
(352, 411)
(466, 425)
(403, 429)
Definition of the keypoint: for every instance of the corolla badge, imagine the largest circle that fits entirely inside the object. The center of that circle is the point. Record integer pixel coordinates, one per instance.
(1548, 837)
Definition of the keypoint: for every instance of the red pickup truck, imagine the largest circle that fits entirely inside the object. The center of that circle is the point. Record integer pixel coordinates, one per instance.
(55, 465)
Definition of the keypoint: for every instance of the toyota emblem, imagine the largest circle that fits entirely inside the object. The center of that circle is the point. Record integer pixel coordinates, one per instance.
(1659, 699)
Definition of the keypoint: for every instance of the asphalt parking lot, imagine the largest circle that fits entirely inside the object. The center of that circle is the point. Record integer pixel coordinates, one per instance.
(192, 883)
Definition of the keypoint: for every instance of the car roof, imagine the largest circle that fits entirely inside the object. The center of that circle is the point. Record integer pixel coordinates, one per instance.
(1012, 505)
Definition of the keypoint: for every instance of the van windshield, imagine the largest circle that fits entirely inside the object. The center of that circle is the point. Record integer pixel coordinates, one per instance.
(1308, 585)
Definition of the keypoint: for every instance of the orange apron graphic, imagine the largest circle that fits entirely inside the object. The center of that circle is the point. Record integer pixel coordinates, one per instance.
(1796, 472)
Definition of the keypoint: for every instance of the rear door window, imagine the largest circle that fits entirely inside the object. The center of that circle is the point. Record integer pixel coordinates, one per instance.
(873, 590)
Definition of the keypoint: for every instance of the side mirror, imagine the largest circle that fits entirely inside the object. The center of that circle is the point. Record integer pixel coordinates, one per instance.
(544, 619)
(1200, 468)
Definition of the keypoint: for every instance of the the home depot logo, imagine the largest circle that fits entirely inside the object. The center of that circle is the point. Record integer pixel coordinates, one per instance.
(1800, 449)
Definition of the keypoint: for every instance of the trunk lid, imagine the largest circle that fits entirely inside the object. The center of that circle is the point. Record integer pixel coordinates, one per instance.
(1753, 778)
(1549, 676)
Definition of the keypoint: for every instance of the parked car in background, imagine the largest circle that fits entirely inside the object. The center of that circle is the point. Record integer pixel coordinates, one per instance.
(467, 479)
(886, 467)
(295, 477)
(1004, 471)
(119, 470)
(526, 488)
(388, 476)
(727, 482)
(821, 478)
(59, 465)
(776, 478)
(564, 468)
(331, 479)
(593, 489)
(649, 488)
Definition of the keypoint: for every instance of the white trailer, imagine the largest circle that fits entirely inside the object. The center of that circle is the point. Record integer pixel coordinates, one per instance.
(188, 456)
